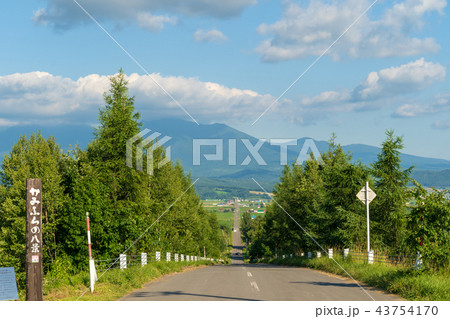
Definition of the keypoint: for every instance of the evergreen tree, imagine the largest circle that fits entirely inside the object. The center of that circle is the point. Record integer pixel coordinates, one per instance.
(389, 210)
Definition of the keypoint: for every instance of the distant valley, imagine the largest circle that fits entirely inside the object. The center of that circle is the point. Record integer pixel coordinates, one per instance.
(236, 167)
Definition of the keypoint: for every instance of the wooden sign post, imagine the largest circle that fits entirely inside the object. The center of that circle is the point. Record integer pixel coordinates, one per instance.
(34, 240)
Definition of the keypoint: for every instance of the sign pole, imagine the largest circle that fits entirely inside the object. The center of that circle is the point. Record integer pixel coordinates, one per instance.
(367, 210)
(33, 261)
(92, 272)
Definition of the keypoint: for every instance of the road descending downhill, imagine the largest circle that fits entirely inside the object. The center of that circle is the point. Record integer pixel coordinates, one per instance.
(239, 281)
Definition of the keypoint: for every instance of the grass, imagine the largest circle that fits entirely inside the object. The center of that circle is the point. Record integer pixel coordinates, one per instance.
(114, 284)
(405, 282)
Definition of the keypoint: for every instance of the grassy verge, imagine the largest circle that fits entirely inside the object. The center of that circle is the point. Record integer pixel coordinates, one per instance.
(405, 282)
(114, 284)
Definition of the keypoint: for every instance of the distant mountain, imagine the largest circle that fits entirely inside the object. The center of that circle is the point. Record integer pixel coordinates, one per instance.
(236, 163)
(436, 179)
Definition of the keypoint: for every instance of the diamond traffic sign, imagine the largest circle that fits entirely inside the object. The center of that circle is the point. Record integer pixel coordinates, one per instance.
(362, 194)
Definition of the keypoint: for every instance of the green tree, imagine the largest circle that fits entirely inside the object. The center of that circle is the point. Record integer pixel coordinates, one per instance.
(429, 224)
(32, 157)
(389, 210)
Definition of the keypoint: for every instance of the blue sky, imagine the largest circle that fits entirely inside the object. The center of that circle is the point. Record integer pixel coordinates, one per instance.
(229, 61)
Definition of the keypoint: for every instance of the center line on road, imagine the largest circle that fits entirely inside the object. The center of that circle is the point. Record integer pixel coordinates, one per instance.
(254, 285)
(249, 274)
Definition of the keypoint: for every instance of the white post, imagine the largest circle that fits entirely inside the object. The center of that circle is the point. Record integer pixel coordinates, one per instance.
(182, 257)
(370, 257)
(330, 253)
(367, 209)
(187, 257)
(176, 257)
(123, 261)
(346, 252)
(319, 254)
(167, 256)
(143, 259)
(418, 263)
(158, 256)
(92, 271)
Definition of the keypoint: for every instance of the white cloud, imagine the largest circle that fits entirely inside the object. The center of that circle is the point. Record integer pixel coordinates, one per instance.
(309, 30)
(26, 97)
(209, 36)
(441, 125)
(67, 14)
(154, 23)
(40, 95)
(385, 88)
(438, 105)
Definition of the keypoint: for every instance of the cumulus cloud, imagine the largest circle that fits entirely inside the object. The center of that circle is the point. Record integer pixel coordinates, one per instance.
(309, 30)
(40, 95)
(387, 86)
(67, 14)
(404, 79)
(438, 105)
(27, 97)
(154, 23)
(209, 36)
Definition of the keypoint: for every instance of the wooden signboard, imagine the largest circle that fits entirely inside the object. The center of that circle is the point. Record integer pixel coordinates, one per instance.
(34, 240)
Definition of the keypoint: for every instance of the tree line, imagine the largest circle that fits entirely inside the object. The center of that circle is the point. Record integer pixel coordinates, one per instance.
(122, 203)
(316, 206)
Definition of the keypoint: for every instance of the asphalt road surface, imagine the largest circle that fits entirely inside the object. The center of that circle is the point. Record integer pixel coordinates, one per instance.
(239, 281)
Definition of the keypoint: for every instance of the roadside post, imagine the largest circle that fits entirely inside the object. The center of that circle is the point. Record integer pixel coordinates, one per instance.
(33, 236)
(92, 271)
(366, 195)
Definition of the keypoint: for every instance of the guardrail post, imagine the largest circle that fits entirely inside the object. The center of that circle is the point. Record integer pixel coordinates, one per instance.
(157, 256)
(346, 252)
(330, 253)
(123, 261)
(370, 257)
(143, 259)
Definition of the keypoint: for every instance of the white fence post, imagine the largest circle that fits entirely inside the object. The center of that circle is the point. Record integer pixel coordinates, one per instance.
(176, 257)
(418, 263)
(143, 259)
(187, 257)
(167, 256)
(346, 252)
(370, 257)
(123, 261)
(330, 253)
(319, 254)
(157, 256)
(182, 257)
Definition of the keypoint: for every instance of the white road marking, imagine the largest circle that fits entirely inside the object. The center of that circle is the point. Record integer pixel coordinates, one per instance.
(249, 274)
(254, 285)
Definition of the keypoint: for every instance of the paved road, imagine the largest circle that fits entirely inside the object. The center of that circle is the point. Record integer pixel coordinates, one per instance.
(240, 281)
